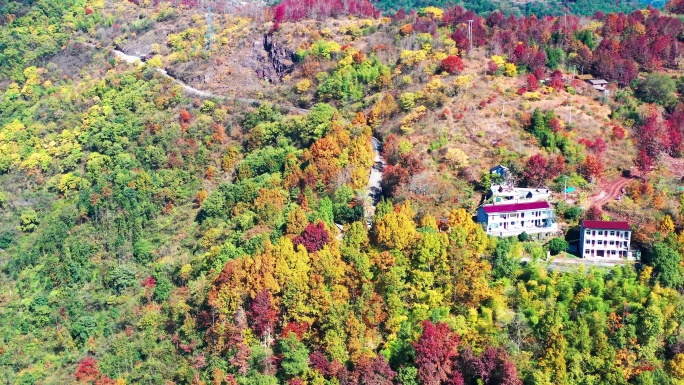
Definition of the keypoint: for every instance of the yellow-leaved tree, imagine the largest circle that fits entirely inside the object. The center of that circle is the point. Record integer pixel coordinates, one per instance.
(467, 242)
(676, 367)
(292, 274)
(396, 230)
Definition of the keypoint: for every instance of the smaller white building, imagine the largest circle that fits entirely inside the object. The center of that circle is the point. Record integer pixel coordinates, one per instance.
(605, 240)
(508, 220)
(507, 194)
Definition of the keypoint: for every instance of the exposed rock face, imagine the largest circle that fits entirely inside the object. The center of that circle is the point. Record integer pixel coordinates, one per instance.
(273, 60)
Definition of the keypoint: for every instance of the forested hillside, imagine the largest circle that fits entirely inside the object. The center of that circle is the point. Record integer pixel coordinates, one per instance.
(540, 8)
(203, 215)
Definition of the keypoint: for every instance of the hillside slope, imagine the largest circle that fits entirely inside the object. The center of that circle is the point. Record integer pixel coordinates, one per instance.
(203, 216)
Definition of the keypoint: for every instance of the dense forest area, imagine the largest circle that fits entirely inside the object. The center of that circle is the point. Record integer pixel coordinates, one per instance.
(156, 229)
(540, 8)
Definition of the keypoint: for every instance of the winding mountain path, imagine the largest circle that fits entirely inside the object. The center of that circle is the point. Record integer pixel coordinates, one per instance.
(132, 59)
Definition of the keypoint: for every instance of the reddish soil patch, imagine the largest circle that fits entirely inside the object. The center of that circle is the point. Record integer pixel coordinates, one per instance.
(610, 191)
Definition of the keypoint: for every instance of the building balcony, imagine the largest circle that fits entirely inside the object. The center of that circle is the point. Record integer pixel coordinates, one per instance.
(517, 230)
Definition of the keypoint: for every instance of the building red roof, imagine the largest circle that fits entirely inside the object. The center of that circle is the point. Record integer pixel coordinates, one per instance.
(606, 225)
(493, 209)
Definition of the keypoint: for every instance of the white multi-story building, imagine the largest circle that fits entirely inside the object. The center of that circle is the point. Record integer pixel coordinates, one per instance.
(605, 240)
(507, 220)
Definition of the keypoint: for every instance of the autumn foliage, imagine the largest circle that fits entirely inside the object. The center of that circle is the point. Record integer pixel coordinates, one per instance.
(436, 350)
(160, 237)
(593, 167)
(262, 314)
(451, 64)
(185, 116)
(532, 83)
(295, 10)
(557, 80)
(87, 370)
(313, 238)
(538, 169)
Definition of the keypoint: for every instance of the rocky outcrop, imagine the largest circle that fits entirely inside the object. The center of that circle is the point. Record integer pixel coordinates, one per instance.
(272, 60)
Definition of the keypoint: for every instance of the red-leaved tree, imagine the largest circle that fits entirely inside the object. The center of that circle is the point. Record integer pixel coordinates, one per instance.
(87, 370)
(318, 361)
(644, 161)
(492, 367)
(149, 282)
(451, 64)
(184, 116)
(535, 170)
(675, 130)
(313, 238)
(619, 132)
(538, 169)
(557, 80)
(262, 314)
(373, 371)
(532, 83)
(435, 351)
(598, 146)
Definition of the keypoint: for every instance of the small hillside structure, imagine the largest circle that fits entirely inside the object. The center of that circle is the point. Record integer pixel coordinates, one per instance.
(605, 240)
(507, 194)
(508, 220)
(598, 84)
(500, 170)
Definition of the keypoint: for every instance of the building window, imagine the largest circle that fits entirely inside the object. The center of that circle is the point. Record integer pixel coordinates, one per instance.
(612, 233)
(593, 233)
(600, 232)
(600, 242)
(612, 243)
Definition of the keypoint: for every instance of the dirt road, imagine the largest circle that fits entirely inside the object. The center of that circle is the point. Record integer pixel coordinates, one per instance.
(375, 179)
(612, 190)
(132, 59)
